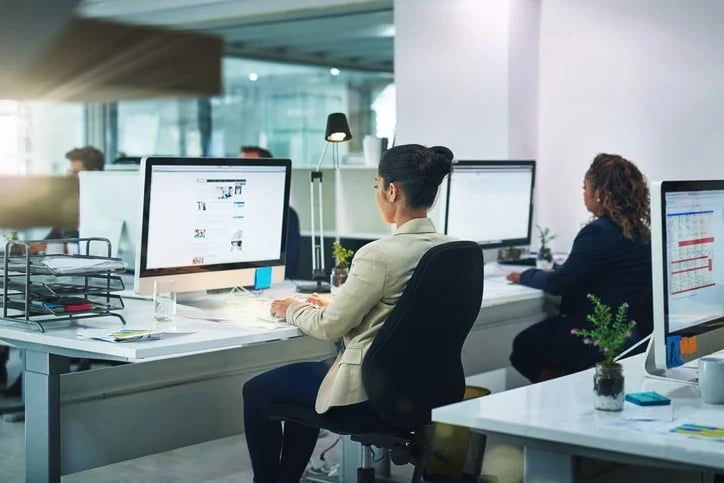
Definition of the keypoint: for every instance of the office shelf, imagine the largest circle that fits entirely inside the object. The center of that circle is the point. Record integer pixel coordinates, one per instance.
(39, 289)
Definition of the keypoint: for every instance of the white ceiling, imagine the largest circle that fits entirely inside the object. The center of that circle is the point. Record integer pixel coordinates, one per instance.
(357, 34)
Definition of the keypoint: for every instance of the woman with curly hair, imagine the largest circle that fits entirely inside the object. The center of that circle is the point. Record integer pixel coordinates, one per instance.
(610, 258)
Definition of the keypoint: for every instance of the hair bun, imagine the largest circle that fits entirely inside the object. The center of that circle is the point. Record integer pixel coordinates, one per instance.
(435, 164)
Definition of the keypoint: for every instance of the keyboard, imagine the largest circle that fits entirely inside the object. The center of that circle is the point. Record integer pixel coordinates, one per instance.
(499, 286)
(526, 262)
(241, 309)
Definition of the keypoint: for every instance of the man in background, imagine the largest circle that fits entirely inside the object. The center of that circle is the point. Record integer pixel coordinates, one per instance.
(293, 234)
(86, 158)
(254, 152)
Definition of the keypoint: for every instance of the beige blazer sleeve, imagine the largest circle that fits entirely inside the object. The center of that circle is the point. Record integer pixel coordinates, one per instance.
(363, 289)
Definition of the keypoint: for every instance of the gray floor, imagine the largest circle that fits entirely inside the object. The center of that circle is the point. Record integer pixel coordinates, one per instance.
(222, 460)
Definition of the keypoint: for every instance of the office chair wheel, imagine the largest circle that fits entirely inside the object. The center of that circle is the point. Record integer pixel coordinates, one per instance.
(365, 475)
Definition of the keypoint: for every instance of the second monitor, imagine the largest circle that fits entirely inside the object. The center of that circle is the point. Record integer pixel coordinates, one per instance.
(491, 202)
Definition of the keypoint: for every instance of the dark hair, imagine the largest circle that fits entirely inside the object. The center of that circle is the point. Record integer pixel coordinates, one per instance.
(418, 170)
(622, 193)
(92, 158)
(261, 152)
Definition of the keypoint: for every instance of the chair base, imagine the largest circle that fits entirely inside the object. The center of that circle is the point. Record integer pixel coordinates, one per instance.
(365, 475)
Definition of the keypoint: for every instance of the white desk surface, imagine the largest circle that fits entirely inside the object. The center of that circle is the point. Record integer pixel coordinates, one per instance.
(204, 336)
(497, 291)
(559, 414)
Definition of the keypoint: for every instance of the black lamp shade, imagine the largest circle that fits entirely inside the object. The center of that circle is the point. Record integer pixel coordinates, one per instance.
(337, 128)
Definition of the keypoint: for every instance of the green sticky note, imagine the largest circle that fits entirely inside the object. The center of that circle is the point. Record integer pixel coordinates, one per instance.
(262, 278)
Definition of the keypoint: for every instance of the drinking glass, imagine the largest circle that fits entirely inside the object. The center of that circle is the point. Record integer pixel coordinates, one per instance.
(164, 304)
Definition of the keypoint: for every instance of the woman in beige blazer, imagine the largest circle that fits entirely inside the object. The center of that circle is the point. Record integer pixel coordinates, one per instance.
(406, 185)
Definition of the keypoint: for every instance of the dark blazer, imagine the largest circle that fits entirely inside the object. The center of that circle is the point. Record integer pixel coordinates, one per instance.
(602, 262)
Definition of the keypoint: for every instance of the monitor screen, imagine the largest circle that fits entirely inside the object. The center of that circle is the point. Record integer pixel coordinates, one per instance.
(211, 222)
(491, 202)
(687, 236)
(109, 203)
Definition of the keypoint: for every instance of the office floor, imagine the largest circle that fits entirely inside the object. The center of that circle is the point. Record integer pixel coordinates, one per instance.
(219, 461)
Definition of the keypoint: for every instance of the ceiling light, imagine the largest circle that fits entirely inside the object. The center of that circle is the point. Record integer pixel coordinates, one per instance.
(253, 76)
(334, 71)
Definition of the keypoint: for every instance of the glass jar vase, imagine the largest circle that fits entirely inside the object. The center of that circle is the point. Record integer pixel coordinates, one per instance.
(544, 259)
(608, 387)
(337, 278)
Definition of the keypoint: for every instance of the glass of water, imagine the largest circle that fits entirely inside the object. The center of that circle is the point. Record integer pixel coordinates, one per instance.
(164, 304)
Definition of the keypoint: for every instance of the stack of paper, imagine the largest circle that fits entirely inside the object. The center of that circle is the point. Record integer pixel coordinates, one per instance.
(122, 335)
(70, 265)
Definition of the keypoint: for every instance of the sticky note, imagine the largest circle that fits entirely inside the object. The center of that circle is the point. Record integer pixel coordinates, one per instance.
(673, 351)
(687, 345)
(262, 278)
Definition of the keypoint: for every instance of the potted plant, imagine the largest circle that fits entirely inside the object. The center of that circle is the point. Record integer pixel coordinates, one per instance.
(609, 334)
(545, 255)
(340, 271)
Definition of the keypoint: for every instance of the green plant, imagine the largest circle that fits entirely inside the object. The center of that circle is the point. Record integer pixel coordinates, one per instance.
(343, 255)
(608, 336)
(545, 235)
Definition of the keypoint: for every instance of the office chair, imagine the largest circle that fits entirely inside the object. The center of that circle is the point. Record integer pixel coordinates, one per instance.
(413, 365)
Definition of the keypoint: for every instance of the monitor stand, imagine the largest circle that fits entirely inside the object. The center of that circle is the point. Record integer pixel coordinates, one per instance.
(682, 374)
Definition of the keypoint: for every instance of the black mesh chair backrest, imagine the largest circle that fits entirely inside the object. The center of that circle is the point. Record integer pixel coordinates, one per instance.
(414, 364)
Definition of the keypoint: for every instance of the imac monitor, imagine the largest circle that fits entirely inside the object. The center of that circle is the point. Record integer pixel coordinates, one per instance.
(687, 249)
(109, 203)
(491, 202)
(210, 223)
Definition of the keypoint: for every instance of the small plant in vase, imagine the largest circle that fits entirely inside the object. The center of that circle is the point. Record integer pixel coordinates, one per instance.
(609, 334)
(341, 268)
(545, 255)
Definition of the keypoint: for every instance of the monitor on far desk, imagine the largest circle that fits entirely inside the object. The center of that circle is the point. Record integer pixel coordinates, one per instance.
(109, 204)
(491, 202)
(212, 223)
(687, 249)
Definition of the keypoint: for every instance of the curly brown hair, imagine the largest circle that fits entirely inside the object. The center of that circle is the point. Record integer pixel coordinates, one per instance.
(622, 193)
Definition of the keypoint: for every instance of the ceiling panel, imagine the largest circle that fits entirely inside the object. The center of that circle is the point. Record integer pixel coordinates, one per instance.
(358, 35)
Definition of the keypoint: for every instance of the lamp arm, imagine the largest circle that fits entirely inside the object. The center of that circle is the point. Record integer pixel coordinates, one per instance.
(321, 158)
(314, 230)
(321, 225)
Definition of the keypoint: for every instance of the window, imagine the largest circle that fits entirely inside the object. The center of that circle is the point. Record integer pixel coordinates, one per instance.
(279, 106)
(34, 136)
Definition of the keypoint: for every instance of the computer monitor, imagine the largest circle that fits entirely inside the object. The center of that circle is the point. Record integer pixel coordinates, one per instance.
(109, 204)
(491, 202)
(687, 249)
(210, 223)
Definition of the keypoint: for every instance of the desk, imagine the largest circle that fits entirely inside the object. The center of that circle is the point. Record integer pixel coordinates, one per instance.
(180, 390)
(555, 422)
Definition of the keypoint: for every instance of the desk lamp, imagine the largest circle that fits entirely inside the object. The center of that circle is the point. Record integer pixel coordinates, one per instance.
(337, 131)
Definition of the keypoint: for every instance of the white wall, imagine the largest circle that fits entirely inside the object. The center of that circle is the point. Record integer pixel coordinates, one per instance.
(451, 75)
(562, 80)
(643, 78)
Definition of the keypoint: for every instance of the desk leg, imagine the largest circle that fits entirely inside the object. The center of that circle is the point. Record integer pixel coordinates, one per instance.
(42, 415)
(545, 466)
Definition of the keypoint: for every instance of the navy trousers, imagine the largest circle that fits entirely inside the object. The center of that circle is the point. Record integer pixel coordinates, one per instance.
(550, 346)
(280, 454)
